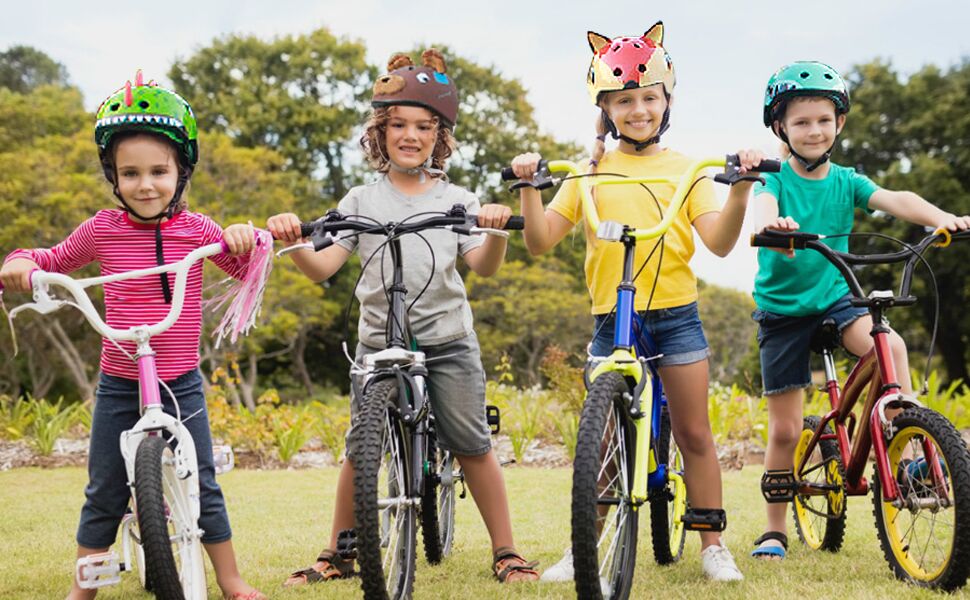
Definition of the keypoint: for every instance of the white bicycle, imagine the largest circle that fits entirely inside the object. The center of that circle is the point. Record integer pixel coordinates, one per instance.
(161, 530)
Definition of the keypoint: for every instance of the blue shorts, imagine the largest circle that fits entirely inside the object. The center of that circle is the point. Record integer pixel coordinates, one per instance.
(676, 332)
(784, 343)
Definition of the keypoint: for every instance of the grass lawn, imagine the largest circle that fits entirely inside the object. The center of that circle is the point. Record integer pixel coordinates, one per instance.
(281, 518)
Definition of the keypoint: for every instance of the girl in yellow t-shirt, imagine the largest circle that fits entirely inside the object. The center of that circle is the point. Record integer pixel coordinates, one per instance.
(631, 80)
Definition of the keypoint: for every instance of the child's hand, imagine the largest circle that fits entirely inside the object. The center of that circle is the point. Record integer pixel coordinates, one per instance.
(749, 159)
(494, 216)
(525, 165)
(15, 275)
(285, 227)
(240, 238)
(954, 223)
(782, 224)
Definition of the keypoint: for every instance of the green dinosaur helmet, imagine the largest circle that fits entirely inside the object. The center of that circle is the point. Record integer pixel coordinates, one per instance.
(147, 107)
(804, 78)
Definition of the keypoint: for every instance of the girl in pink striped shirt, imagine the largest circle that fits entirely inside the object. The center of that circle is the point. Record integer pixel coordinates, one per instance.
(147, 142)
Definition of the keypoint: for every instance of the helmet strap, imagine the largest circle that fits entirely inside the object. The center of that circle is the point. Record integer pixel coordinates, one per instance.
(638, 145)
(809, 165)
(421, 171)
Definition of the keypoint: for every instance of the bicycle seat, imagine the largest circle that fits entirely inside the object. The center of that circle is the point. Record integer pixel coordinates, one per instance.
(826, 337)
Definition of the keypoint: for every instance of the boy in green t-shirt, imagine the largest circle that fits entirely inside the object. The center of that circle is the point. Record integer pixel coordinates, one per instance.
(806, 105)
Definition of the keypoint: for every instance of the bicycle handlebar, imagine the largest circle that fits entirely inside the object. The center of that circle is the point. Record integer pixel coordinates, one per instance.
(41, 280)
(843, 261)
(543, 179)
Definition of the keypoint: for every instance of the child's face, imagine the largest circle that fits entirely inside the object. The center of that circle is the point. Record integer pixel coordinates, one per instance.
(410, 135)
(811, 125)
(147, 174)
(637, 113)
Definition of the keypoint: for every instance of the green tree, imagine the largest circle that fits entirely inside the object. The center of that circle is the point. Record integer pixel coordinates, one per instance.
(730, 332)
(47, 110)
(301, 95)
(23, 69)
(912, 133)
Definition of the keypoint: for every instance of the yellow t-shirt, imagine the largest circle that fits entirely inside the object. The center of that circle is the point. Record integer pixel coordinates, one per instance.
(632, 205)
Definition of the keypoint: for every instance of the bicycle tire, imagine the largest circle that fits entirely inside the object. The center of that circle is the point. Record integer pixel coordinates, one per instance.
(604, 568)
(667, 532)
(438, 503)
(892, 524)
(820, 526)
(386, 544)
(162, 572)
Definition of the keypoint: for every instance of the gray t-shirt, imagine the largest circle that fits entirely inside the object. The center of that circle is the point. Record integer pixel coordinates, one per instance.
(442, 314)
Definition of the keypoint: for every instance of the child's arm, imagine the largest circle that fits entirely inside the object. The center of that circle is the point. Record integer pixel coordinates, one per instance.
(543, 229)
(486, 259)
(911, 207)
(73, 253)
(318, 266)
(720, 230)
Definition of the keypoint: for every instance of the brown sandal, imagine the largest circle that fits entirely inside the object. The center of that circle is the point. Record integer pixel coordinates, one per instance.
(509, 566)
(332, 567)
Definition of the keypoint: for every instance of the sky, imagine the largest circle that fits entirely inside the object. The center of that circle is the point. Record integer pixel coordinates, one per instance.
(723, 53)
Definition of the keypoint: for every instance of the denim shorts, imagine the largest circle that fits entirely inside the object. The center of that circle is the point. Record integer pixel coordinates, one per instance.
(456, 390)
(785, 344)
(676, 332)
(117, 409)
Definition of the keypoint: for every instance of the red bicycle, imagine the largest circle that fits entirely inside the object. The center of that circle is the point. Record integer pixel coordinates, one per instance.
(921, 479)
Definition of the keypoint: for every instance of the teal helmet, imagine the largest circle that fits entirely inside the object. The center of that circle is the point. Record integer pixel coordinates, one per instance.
(149, 108)
(804, 78)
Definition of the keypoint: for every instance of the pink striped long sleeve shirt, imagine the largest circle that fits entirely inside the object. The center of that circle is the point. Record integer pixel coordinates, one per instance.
(119, 244)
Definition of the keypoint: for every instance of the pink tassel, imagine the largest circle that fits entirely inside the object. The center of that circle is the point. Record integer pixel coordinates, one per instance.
(246, 294)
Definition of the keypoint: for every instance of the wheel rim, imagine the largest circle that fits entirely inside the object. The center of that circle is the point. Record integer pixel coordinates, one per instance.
(393, 507)
(177, 514)
(810, 509)
(676, 507)
(921, 538)
(613, 478)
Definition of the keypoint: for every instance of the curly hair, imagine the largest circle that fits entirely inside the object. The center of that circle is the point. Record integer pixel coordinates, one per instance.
(373, 141)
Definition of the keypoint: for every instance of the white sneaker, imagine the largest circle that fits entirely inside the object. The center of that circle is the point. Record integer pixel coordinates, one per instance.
(718, 564)
(562, 570)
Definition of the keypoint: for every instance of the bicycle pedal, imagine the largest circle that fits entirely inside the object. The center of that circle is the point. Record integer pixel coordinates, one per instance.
(494, 418)
(224, 458)
(98, 570)
(778, 486)
(347, 544)
(704, 519)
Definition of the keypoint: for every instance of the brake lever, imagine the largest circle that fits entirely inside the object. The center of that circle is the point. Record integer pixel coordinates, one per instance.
(735, 176)
(542, 179)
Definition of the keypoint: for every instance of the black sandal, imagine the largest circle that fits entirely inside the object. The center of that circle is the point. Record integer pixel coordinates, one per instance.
(334, 568)
(502, 573)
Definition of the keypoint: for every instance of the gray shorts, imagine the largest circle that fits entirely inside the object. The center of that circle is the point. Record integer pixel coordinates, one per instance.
(456, 389)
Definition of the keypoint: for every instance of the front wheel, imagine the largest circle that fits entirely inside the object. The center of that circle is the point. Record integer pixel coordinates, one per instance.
(819, 516)
(169, 535)
(384, 509)
(604, 536)
(667, 507)
(925, 534)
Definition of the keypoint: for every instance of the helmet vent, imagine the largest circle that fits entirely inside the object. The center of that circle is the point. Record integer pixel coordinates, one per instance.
(637, 46)
(616, 48)
(115, 106)
(642, 68)
(618, 71)
(828, 76)
(143, 104)
(804, 75)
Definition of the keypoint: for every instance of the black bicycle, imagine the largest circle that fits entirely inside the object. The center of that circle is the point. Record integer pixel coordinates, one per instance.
(401, 475)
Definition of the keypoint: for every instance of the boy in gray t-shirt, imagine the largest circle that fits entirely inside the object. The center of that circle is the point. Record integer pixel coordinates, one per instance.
(407, 140)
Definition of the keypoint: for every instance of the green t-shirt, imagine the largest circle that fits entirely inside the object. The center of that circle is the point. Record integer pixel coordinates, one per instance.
(808, 284)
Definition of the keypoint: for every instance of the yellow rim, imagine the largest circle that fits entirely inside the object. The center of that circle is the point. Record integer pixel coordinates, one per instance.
(679, 506)
(809, 523)
(915, 537)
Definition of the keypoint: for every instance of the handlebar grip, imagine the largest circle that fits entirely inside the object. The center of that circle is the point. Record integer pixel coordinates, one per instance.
(508, 174)
(306, 229)
(515, 224)
(768, 165)
(761, 240)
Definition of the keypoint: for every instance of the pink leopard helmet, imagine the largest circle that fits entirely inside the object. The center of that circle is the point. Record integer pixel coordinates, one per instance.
(629, 62)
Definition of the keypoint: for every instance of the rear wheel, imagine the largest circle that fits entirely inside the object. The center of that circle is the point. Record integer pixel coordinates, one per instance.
(604, 524)
(438, 502)
(925, 534)
(820, 518)
(383, 507)
(666, 510)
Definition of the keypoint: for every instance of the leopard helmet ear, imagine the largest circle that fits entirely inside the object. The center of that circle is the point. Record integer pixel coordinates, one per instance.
(434, 59)
(597, 41)
(655, 33)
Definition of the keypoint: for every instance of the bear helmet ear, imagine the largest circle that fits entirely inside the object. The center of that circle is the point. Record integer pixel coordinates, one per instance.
(655, 33)
(434, 59)
(597, 41)
(399, 61)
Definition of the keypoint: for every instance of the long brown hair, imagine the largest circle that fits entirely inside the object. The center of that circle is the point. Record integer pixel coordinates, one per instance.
(374, 141)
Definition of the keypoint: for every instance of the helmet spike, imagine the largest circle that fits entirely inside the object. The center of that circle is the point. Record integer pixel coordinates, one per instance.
(139, 79)
(128, 97)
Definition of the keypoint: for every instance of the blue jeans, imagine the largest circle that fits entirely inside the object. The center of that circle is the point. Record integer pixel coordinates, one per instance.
(677, 334)
(116, 410)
